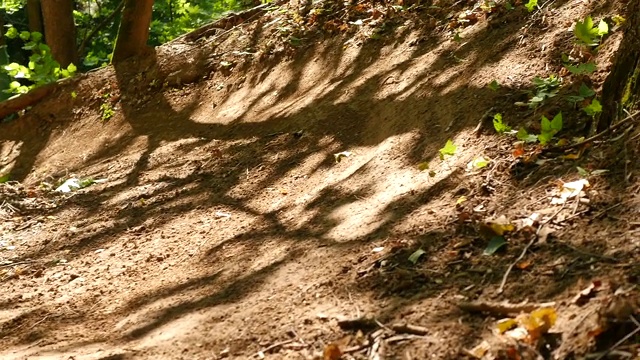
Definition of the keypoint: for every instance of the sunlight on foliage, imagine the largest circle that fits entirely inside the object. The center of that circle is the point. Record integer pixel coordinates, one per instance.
(531, 5)
(588, 34)
(594, 108)
(500, 126)
(448, 149)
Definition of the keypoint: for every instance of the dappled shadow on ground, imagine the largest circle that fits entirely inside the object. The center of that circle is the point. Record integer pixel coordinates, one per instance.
(188, 163)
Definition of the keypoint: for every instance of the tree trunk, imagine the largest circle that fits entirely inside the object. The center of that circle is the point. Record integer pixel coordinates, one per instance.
(34, 15)
(134, 29)
(621, 90)
(60, 30)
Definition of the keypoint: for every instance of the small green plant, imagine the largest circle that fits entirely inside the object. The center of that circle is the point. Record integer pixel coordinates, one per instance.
(42, 68)
(448, 149)
(593, 109)
(549, 128)
(588, 34)
(531, 5)
(499, 125)
(583, 93)
(106, 108)
(545, 88)
(493, 85)
(579, 68)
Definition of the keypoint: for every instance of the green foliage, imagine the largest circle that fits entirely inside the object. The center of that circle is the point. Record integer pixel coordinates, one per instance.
(493, 85)
(549, 128)
(448, 149)
(40, 70)
(531, 5)
(12, 6)
(500, 126)
(581, 69)
(106, 108)
(545, 88)
(588, 34)
(594, 108)
(583, 93)
(523, 135)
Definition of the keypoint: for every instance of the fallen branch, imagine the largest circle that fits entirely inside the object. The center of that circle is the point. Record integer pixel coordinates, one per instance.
(261, 353)
(410, 329)
(501, 308)
(594, 137)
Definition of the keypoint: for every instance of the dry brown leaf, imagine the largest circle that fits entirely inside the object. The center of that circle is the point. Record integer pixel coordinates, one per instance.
(332, 352)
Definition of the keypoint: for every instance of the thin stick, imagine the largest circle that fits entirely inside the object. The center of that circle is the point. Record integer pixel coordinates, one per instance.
(594, 137)
(273, 346)
(17, 263)
(526, 248)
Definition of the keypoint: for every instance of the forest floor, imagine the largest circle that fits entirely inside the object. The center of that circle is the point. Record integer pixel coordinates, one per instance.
(264, 193)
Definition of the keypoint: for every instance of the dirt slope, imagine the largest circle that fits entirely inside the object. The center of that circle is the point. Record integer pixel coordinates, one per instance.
(226, 225)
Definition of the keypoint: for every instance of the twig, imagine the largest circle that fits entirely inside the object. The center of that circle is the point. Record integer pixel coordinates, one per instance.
(594, 137)
(526, 248)
(273, 346)
(620, 342)
(17, 263)
(95, 30)
(481, 121)
(409, 329)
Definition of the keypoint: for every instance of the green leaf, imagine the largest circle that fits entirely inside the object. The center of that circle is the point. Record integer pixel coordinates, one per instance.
(493, 85)
(12, 33)
(603, 28)
(36, 36)
(531, 5)
(4, 178)
(545, 137)
(556, 123)
(448, 149)
(479, 162)
(494, 245)
(582, 172)
(423, 166)
(582, 69)
(594, 108)
(545, 124)
(25, 35)
(585, 91)
(585, 32)
(72, 69)
(416, 256)
(522, 135)
(499, 125)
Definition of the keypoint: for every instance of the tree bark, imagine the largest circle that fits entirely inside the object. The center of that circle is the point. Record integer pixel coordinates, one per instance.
(621, 89)
(60, 30)
(34, 15)
(134, 30)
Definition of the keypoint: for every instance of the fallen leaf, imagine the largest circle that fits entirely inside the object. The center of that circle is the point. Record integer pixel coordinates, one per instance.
(332, 352)
(423, 166)
(480, 350)
(585, 294)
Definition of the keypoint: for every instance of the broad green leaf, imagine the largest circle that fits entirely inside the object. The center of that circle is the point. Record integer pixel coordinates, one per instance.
(4, 178)
(523, 135)
(582, 69)
(499, 125)
(545, 137)
(585, 32)
(494, 245)
(479, 162)
(12, 33)
(416, 256)
(545, 124)
(585, 91)
(448, 149)
(556, 123)
(603, 28)
(594, 108)
(531, 5)
(25, 35)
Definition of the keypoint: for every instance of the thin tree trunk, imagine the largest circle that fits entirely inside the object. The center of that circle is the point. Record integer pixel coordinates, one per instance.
(621, 90)
(60, 30)
(34, 15)
(134, 29)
